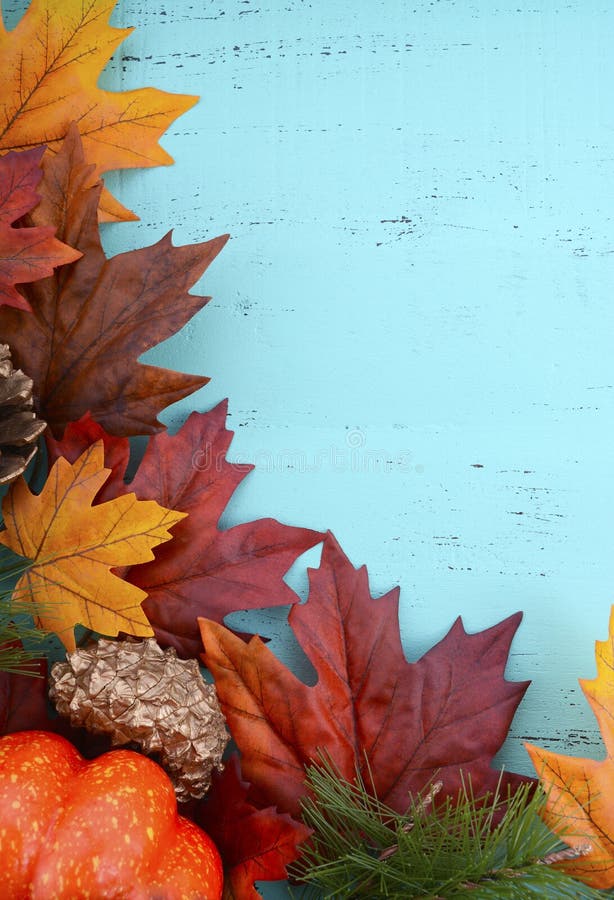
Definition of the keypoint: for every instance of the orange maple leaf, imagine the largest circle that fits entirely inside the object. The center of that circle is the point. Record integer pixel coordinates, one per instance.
(580, 792)
(51, 62)
(73, 546)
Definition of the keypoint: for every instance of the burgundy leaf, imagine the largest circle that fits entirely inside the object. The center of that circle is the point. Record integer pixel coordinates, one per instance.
(255, 844)
(400, 723)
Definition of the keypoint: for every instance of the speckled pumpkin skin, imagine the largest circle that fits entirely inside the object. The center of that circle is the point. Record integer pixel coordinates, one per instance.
(72, 829)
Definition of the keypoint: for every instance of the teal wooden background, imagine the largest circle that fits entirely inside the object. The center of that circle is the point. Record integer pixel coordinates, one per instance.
(413, 320)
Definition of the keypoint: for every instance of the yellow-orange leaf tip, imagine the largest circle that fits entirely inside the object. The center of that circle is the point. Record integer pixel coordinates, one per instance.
(580, 791)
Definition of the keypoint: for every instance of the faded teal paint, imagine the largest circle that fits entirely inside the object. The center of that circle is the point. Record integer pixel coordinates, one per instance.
(413, 321)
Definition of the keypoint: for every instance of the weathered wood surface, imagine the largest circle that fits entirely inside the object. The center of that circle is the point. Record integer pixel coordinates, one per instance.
(413, 321)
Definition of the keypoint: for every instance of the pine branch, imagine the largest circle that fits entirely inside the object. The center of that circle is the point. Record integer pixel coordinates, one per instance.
(493, 848)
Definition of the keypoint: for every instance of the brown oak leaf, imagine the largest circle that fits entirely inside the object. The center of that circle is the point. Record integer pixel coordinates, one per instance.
(255, 844)
(51, 62)
(400, 723)
(93, 318)
(26, 254)
(208, 571)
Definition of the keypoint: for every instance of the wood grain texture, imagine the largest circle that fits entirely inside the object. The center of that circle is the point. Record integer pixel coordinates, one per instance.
(413, 320)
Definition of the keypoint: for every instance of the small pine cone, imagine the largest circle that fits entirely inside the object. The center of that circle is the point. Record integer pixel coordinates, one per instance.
(19, 427)
(139, 694)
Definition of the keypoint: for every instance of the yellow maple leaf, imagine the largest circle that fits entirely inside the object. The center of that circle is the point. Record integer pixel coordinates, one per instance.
(580, 792)
(51, 62)
(73, 546)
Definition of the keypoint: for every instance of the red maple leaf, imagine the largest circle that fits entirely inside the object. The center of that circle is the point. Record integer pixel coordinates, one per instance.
(255, 844)
(26, 254)
(208, 571)
(399, 723)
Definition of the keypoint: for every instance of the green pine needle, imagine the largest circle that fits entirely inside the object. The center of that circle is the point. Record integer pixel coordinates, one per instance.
(493, 848)
(18, 637)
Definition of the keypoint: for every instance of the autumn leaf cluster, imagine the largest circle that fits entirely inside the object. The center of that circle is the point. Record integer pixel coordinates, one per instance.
(101, 553)
(88, 536)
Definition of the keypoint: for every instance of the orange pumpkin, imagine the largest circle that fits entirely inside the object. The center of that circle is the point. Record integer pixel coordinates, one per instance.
(72, 829)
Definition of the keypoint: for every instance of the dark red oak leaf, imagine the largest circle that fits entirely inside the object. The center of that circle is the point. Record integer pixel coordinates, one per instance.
(23, 700)
(26, 254)
(255, 844)
(24, 707)
(399, 723)
(93, 318)
(207, 571)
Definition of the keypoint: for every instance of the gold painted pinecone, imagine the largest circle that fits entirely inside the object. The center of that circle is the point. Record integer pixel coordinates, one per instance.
(141, 695)
(19, 426)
